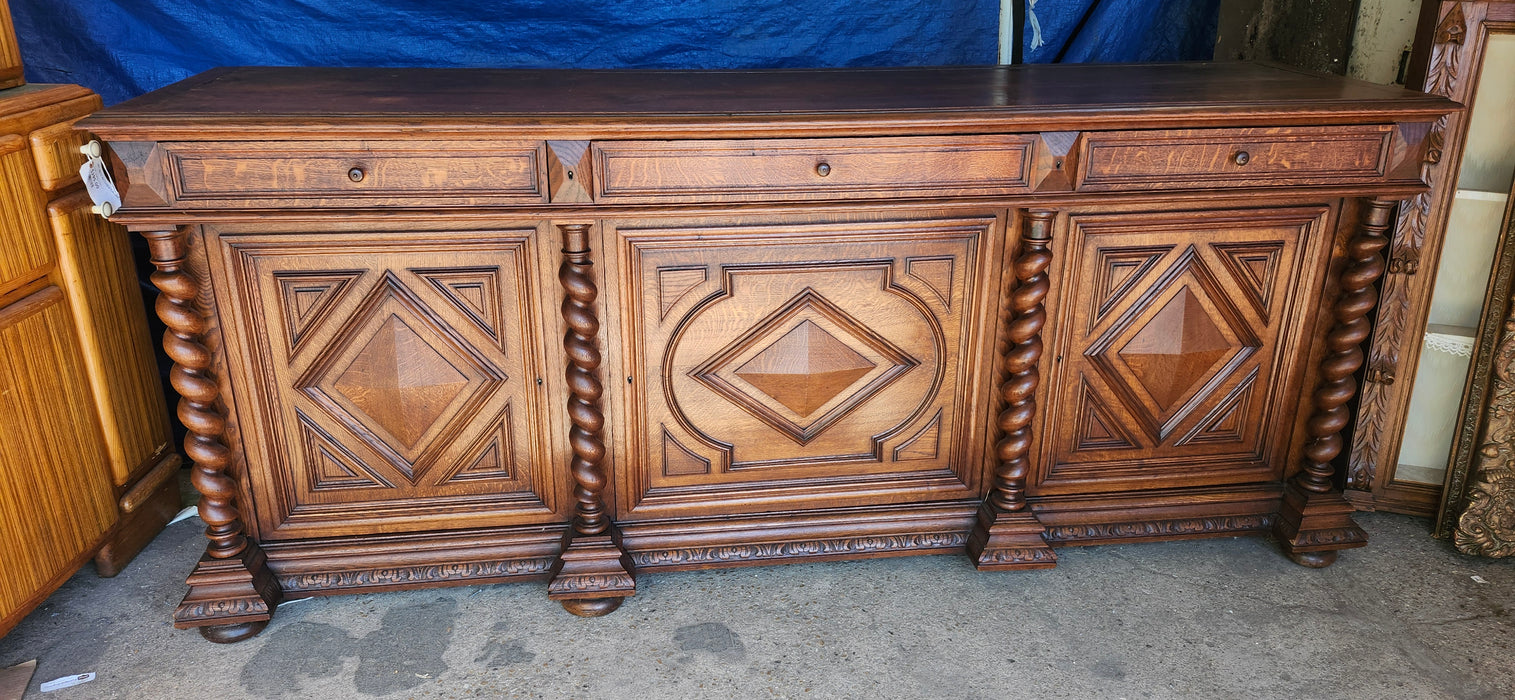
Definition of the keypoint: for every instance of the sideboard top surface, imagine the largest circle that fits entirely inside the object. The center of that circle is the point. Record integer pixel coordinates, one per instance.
(316, 102)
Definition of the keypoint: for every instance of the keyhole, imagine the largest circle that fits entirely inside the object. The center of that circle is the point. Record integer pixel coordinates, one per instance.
(570, 174)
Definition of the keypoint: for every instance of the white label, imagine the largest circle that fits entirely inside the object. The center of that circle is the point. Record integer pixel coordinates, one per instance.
(101, 189)
(67, 682)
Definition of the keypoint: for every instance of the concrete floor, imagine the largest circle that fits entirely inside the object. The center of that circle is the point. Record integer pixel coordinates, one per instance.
(1227, 618)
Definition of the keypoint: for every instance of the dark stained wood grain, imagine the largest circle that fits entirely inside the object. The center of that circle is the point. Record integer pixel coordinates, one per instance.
(805, 315)
(328, 100)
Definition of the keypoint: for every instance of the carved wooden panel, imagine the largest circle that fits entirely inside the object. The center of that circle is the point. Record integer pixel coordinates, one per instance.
(1178, 354)
(804, 365)
(400, 380)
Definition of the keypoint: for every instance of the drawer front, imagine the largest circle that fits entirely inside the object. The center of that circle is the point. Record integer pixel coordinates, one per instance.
(334, 173)
(803, 365)
(777, 169)
(26, 247)
(1216, 158)
(1178, 352)
(396, 378)
(56, 150)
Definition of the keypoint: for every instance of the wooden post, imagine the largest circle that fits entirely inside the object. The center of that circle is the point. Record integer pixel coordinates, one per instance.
(1008, 535)
(594, 574)
(232, 593)
(1314, 521)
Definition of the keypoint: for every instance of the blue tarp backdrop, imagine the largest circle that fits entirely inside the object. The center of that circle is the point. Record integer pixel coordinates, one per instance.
(122, 48)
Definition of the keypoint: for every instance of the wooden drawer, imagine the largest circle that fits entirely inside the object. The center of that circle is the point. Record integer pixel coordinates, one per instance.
(1216, 158)
(742, 170)
(26, 249)
(333, 173)
(56, 149)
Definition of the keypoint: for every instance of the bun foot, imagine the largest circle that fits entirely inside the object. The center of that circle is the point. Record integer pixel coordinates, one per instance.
(230, 634)
(591, 607)
(1314, 560)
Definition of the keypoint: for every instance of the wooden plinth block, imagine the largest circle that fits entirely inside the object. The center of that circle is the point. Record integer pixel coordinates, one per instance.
(145, 510)
(592, 576)
(229, 599)
(1013, 540)
(1313, 527)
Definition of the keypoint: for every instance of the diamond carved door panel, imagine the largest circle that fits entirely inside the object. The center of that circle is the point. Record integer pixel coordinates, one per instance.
(804, 365)
(1177, 357)
(401, 388)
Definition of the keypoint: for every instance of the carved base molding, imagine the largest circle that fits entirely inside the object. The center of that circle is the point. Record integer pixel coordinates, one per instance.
(821, 535)
(1159, 515)
(230, 593)
(1216, 526)
(1311, 522)
(432, 559)
(1003, 541)
(593, 575)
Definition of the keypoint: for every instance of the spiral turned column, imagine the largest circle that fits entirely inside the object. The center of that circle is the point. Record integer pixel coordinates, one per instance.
(1007, 534)
(594, 574)
(232, 593)
(1315, 520)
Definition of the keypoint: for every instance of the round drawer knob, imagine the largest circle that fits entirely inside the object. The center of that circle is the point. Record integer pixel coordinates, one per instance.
(823, 169)
(1242, 157)
(356, 174)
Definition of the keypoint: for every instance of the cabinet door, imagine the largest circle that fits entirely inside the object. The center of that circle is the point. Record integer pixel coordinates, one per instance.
(804, 365)
(1182, 341)
(396, 378)
(56, 498)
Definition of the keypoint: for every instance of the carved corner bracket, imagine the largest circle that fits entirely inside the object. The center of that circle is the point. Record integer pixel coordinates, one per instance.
(594, 574)
(1007, 534)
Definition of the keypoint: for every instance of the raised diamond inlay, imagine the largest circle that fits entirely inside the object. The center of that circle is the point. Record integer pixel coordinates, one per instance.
(1176, 349)
(805, 368)
(400, 382)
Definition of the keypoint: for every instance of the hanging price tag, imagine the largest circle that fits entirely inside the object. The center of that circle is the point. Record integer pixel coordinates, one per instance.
(97, 181)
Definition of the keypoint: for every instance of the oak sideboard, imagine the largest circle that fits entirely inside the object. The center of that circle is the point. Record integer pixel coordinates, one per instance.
(442, 327)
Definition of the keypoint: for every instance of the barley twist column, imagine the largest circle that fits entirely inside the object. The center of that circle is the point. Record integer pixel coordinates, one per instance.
(232, 594)
(1315, 520)
(594, 574)
(1008, 535)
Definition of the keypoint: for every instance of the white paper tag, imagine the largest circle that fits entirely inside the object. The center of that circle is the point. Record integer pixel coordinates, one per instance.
(101, 189)
(67, 682)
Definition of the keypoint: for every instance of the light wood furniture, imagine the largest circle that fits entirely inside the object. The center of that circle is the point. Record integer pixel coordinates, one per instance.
(1477, 511)
(86, 469)
(444, 327)
(10, 51)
